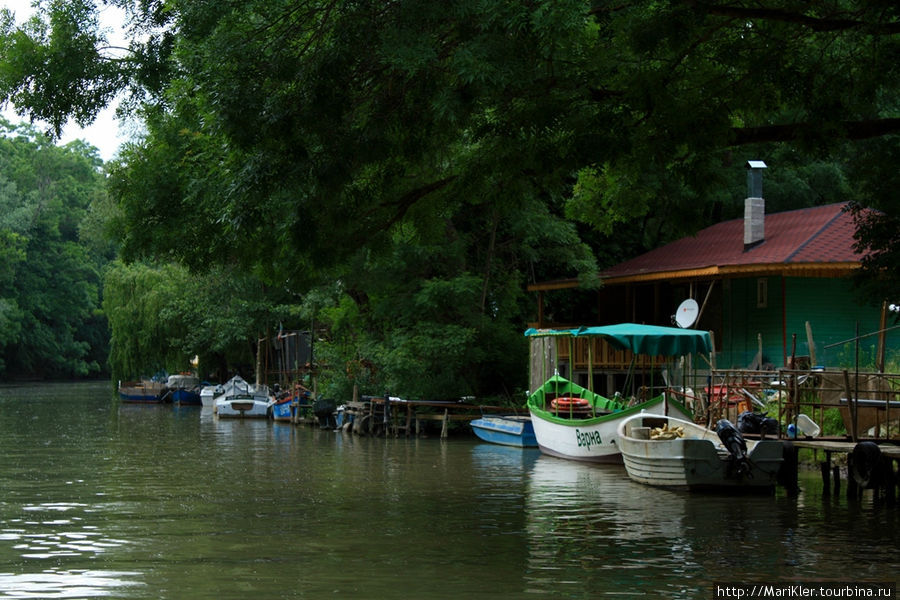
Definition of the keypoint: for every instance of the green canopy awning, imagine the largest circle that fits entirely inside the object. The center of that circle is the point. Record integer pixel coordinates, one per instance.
(652, 340)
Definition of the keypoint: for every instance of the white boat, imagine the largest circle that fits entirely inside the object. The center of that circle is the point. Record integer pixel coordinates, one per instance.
(572, 422)
(208, 395)
(575, 423)
(243, 400)
(670, 452)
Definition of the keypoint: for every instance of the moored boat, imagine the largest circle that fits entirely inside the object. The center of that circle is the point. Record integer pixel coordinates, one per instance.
(283, 408)
(288, 403)
(145, 391)
(574, 423)
(666, 451)
(243, 400)
(506, 430)
(209, 393)
(184, 389)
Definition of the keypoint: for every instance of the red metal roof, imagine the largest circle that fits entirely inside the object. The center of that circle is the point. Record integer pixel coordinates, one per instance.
(808, 236)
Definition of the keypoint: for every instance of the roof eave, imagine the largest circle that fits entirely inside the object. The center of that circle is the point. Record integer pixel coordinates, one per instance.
(832, 269)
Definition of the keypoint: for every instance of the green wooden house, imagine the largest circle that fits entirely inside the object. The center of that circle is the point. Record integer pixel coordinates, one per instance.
(780, 283)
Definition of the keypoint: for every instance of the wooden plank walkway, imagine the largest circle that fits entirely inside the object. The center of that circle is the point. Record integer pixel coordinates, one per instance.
(887, 449)
(404, 412)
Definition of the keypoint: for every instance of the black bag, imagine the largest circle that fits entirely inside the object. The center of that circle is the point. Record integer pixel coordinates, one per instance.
(751, 422)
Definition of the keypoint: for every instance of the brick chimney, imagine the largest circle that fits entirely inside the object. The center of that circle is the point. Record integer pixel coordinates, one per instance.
(754, 206)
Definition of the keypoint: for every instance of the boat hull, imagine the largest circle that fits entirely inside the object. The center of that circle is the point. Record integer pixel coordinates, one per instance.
(142, 392)
(242, 407)
(243, 400)
(506, 431)
(697, 461)
(186, 397)
(208, 395)
(592, 439)
(283, 411)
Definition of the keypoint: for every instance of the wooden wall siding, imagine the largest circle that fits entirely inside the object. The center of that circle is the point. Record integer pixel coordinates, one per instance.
(829, 304)
(604, 355)
(543, 361)
(833, 308)
(744, 320)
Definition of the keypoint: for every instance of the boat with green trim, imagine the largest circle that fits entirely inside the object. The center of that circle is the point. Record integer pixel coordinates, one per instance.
(573, 422)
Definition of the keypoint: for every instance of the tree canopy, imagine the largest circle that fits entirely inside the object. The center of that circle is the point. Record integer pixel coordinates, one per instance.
(50, 260)
(416, 162)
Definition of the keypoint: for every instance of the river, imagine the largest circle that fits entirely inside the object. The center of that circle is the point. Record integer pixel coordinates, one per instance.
(101, 499)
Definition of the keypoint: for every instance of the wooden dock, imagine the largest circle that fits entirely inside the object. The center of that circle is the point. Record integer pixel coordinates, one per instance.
(385, 416)
(830, 446)
(870, 465)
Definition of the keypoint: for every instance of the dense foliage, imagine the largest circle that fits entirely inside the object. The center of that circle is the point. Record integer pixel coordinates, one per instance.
(404, 168)
(162, 316)
(50, 258)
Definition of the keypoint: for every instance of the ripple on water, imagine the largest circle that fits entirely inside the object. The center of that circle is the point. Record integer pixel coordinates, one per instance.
(66, 583)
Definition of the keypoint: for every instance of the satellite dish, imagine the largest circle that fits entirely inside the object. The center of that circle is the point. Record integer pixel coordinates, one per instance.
(687, 313)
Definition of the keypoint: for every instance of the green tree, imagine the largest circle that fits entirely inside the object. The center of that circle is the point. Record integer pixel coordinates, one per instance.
(162, 316)
(49, 281)
(321, 141)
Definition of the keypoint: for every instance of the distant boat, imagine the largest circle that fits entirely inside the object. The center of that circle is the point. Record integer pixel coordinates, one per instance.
(506, 430)
(184, 389)
(208, 395)
(243, 400)
(669, 452)
(145, 391)
(285, 407)
(282, 409)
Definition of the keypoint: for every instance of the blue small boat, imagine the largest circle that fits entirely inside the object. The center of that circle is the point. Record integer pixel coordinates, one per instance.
(184, 389)
(186, 397)
(283, 409)
(506, 430)
(142, 392)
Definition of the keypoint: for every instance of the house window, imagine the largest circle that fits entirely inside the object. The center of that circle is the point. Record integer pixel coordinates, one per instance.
(762, 293)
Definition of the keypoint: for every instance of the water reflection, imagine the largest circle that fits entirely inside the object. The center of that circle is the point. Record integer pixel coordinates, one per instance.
(36, 536)
(53, 533)
(101, 499)
(604, 534)
(66, 584)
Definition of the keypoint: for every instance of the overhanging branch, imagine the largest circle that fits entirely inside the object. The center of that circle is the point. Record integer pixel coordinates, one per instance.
(838, 22)
(851, 130)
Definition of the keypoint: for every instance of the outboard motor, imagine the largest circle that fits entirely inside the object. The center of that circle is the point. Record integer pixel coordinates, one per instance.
(736, 446)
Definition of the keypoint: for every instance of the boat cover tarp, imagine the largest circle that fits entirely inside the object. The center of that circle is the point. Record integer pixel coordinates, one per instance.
(653, 340)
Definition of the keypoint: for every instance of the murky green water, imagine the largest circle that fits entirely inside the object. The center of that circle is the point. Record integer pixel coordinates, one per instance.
(103, 499)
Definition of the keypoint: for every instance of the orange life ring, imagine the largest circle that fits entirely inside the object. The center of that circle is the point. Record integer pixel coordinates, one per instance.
(574, 404)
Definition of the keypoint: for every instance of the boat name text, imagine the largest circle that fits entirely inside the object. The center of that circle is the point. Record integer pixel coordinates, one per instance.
(588, 438)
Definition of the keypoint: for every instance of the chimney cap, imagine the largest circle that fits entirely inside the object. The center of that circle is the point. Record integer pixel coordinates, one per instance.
(756, 164)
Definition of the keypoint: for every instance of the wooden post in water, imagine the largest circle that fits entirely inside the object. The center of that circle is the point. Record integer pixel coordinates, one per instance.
(889, 483)
(853, 489)
(825, 467)
(788, 474)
